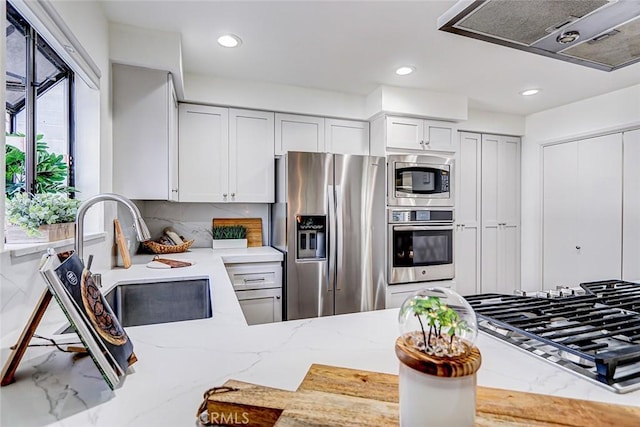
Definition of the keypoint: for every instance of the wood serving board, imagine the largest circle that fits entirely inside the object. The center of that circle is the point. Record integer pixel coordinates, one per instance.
(253, 226)
(331, 396)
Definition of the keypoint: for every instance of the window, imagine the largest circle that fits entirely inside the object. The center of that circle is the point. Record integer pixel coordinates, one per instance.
(38, 113)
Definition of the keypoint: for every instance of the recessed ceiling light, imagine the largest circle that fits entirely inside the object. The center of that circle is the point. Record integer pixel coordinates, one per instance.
(529, 92)
(229, 40)
(403, 71)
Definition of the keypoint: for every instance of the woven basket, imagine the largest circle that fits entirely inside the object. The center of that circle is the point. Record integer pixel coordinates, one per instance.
(158, 248)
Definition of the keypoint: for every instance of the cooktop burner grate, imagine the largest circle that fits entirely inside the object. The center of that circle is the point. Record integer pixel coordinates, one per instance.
(596, 335)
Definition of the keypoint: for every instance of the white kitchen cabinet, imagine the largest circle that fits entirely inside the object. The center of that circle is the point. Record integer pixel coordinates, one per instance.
(144, 133)
(397, 294)
(226, 155)
(500, 214)
(582, 211)
(299, 133)
(418, 134)
(203, 147)
(251, 157)
(631, 207)
(467, 214)
(346, 137)
(258, 287)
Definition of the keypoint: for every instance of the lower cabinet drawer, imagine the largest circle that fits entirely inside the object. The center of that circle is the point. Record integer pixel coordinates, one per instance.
(255, 275)
(261, 305)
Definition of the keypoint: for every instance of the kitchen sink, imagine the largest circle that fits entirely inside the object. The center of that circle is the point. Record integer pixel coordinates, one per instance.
(150, 303)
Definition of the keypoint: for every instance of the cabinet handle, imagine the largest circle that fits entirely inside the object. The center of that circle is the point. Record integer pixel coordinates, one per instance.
(233, 194)
(421, 142)
(261, 279)
(224, 195)
(174, 190)
(277, 297)
(578, 247)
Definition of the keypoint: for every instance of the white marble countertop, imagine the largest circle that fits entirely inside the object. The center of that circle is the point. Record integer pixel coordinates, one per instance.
(178, 362)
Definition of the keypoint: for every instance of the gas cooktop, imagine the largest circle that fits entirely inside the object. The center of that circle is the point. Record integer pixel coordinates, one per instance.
(593, 332)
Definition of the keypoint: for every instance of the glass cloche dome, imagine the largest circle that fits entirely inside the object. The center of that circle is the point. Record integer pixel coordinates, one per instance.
(442, 319)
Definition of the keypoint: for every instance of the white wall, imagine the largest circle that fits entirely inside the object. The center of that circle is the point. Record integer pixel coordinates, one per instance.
(140, 47)
(20, 285)
(493, 123)
(273, 97)
(416, 102)
(614, 111)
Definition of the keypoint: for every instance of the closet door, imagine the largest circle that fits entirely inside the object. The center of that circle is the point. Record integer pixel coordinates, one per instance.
(582, 211)
(631, 206)
(467, 247)
(500, 214)
(599, 215)
(560, 197)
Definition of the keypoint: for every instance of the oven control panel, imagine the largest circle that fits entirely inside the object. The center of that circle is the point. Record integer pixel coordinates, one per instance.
(420, 215)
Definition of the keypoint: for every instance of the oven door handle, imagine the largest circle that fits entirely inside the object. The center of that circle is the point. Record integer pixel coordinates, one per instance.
(423, 227)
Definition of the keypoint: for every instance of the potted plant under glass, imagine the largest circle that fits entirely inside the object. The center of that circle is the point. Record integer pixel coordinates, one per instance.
(39, 218)
(438, 359)
(229, 237)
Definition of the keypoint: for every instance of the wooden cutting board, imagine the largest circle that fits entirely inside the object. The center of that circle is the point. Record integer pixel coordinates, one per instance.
(122, 245)
(331, 396)
(253, 226)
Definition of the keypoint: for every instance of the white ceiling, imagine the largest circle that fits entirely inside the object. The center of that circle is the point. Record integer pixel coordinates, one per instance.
(355, 46)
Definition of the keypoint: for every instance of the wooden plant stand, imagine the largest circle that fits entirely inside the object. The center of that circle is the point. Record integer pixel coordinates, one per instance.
(18, 350)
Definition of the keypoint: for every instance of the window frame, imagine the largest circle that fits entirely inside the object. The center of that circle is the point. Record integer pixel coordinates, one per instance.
(35, 43)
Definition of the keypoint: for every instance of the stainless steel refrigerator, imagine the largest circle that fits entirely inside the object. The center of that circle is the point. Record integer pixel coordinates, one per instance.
(329, 220)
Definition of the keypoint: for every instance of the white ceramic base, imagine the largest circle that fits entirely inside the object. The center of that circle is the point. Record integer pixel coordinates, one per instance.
(427, 400)
(229, 243)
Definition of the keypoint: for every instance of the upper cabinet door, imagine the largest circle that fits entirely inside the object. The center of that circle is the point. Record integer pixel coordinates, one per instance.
(173, 142)
(298, 133)
(508, 193)
(418, 134)
(251, 156)
(141, 132)
(204, 153)
(347, 137)
(439, 135)
(405, 133)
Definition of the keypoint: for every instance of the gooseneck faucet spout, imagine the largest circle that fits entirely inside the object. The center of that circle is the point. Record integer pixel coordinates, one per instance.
(142, 232)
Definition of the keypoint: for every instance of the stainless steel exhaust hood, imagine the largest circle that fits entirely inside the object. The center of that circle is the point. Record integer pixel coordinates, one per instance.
(596, 33)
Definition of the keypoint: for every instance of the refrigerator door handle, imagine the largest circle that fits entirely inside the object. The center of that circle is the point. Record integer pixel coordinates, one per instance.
(338, 247)
(331, 247)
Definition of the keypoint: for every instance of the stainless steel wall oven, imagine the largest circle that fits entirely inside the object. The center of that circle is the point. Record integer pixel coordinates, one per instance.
(421, 245)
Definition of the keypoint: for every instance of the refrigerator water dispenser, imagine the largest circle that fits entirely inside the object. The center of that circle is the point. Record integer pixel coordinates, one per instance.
(311, 232)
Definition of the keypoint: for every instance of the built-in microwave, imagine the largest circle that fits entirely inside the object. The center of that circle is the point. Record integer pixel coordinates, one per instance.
(420, 180)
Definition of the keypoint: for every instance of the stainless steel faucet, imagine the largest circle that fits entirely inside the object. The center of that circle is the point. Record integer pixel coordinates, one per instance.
(142, 232)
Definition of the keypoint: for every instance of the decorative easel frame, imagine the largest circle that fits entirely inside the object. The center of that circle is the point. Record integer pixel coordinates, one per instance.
(18, 350)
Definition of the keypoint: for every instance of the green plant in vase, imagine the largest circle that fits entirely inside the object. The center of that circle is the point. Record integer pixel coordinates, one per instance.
(444, 323)
(30, 212)
(225, 232)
